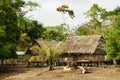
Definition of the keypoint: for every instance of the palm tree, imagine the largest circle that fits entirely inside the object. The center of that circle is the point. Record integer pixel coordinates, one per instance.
(50, 53)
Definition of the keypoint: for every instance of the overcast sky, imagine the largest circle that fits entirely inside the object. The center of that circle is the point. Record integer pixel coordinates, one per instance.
(48, 15)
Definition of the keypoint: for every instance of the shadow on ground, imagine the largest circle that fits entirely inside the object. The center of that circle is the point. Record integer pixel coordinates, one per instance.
(6, 71)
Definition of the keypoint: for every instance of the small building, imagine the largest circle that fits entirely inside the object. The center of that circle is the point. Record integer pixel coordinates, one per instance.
(37, 44)
(89, 48)
(33, 50)
(85, 48)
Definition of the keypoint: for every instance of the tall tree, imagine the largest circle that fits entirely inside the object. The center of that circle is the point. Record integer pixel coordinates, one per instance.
(95, 25)
(66, 12)
(10, 26)
(35, 31)
(24, 23)
(94, 14)
(64, 9)
(113, 44)
(9, 30)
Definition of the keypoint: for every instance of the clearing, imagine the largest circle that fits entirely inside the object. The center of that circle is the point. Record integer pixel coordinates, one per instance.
(95, 73)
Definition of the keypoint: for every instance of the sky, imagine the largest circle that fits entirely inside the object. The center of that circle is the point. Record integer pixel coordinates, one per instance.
(48, 15)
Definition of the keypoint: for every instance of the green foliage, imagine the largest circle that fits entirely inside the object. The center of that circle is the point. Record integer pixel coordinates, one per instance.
(7, 51)
(35, 49)
(32, 4)
(113, 36)
(113, 45)
(22, 57)
(36, 58)
(50, 52)
(95, 13)
(96, 23)
(82, 31)
(46, 53)
(35, 31)
(15, 29)
(113, 41)
(8, 29)
(54, 33)
(65, 9)
(87, 29)
(23, 24)
(23, 8)
(23, 42)
(29, 29)
(117, 10)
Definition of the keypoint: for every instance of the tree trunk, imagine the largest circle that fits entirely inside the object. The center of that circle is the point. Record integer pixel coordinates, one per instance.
(72, 64)
(2, 62)
(51, 65)
(115, 62)
(28, 60)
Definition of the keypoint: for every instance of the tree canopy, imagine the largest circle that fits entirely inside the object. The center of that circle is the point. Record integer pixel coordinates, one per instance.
(9, 29)
(64, 9)
(14, 27)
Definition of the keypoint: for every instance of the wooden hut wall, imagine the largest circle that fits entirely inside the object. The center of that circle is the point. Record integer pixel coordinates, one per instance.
(91, 57)
(66, 59)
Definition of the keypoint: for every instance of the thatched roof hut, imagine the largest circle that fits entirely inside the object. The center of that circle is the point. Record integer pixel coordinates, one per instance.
(90, 47)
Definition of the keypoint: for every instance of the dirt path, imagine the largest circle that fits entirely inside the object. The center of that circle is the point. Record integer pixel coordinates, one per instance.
(110, 73)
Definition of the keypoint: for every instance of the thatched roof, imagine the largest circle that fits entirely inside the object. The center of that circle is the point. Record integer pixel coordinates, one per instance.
(46, 42)
(91, 44)
(85, 44)
(33, 50)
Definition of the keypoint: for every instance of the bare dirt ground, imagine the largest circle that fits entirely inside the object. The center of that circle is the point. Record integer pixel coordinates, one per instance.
(95, 73)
